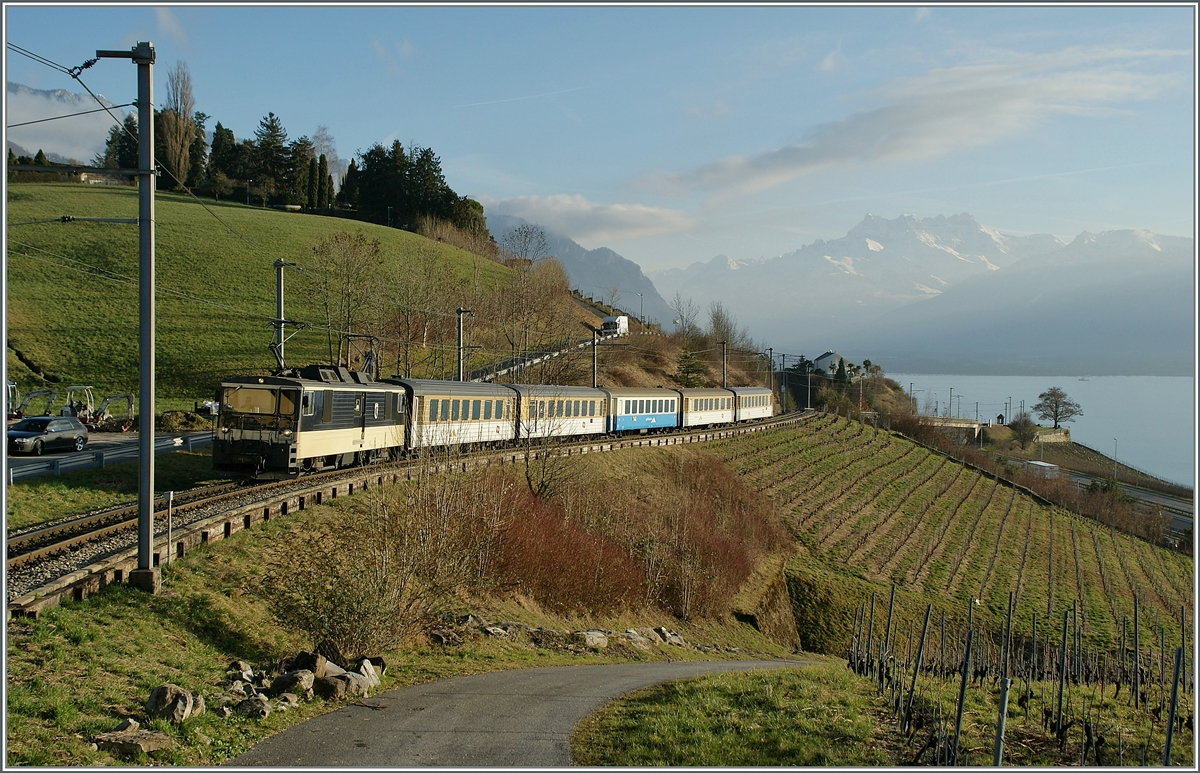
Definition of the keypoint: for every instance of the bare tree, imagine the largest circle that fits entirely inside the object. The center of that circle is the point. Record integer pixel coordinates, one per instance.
(176, 122)
(1023, 429)
(1053, 404)
(341, 271)
(686, 312)
(526, 241)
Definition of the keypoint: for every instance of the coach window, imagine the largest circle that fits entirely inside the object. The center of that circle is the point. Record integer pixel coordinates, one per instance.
(475, 410)
(454, 410)
(433, 406)
(575, 406)
(445, 415)
(487, 410)
(306, 404)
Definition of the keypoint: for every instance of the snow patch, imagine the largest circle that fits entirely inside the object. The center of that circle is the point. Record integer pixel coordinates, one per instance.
(933, 242)
(926, 289)
(990, 265)
(942, 281)
(845, 265)
(873, 245)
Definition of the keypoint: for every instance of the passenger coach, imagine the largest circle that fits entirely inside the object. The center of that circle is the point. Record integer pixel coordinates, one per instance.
(555, 411)
(642, 410)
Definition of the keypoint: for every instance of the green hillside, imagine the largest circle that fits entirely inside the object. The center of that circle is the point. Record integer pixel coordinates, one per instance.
(72, 287)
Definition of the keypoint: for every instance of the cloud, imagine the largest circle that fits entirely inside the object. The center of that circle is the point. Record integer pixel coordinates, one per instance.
(932, 114)
(832, 59)
(168, 24)
(392, 54)
(589, 221)
(79, 137)
(922, 14)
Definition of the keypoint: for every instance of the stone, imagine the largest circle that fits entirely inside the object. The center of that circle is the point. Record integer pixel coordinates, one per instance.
(592, 638)
(636, 640)
(329, 688)
(239, 667)
(367, 669)
(170, 702)
(239, 688)
(333, 669)
(705, 648)
(670, 637)
(197, 705)
(331, 652)
(357, 685)
(255, 706)
(129, 723)
(497, 631)
(223, 711)
(446, 638)
(292, 681)
(471, 621)
(129, 742)
(309, 661)
(651, 634)
(290, 698)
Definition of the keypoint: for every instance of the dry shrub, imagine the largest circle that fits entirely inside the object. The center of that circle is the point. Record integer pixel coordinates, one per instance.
(361, 577)
(563, 567)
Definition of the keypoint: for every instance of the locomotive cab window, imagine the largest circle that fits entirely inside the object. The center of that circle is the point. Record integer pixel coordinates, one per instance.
(249, 400)
(307, 404)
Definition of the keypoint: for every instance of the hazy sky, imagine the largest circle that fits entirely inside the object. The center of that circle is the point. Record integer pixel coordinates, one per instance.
(675, 134)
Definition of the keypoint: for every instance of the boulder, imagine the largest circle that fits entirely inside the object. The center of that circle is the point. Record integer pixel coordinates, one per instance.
(445, 637)
(292, 681)
(255, 706)
(289, 698)
(170, 702)
(333, 669)
(197, 705)
(222, 711)
(592, 638)
(331, 688)
(367, 669)
(240, 667)
(129, 742)
(471, 621)
(331, 652)
(240, 688)
(357, 685)
(309, 661)
(651, 634)
(129, 723)
(636, 640)
(670, 637)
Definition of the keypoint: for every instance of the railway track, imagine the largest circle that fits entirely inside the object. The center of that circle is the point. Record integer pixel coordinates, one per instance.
(75, 557)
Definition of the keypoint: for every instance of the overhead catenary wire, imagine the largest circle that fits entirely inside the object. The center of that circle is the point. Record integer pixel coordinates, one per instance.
(68, 115)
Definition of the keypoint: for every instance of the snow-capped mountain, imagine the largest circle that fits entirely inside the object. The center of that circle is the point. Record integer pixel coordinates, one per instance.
(79, 138)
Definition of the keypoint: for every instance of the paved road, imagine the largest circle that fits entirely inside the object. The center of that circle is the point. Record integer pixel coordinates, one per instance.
(116, 447)
(522, 717)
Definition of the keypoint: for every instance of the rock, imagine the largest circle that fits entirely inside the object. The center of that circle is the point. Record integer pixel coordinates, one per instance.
(93, 747)
(197, 705)
(239, 688)
(357, 685)
(170, 702)
(331, 653)
(333, 669)
(330, 688)
(636, 640)
(128, 742)
(497, 631)
(592, 638)
(446, 638)
(255, 706)
(239, 667)
(512, 625)
(367, 670)
(670, 637)
(471, 621)
(290, 698)
(129, 723)
(222, 711)
(292, 681)
(705, 648)
(650, 634)
(309, 661)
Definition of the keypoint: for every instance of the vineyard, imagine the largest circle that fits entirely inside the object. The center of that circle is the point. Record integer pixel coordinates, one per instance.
(888, 528)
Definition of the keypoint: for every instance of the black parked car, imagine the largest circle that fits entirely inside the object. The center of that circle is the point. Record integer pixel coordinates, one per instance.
(38, 434)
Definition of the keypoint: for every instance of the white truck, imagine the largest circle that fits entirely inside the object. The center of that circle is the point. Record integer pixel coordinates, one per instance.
(617, 325)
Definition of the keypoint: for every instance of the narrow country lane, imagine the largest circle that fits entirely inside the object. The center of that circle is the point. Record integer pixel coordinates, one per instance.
(520, 718)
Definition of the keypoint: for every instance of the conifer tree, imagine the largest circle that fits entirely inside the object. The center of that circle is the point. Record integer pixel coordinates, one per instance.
(312, 198)
(324, 188)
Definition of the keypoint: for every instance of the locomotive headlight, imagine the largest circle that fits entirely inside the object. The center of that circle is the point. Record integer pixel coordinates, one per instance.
(224, 429)
(286, 433)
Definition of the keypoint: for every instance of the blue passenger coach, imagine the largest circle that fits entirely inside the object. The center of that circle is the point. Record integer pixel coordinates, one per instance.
(642, 410)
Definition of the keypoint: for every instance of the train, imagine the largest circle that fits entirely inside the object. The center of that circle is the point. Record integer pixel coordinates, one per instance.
(324, 417)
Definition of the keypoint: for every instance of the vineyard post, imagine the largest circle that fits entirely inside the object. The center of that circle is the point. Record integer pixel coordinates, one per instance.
(998, 749)
(1074, 655)
(887, 634)
(962, 696)
(1062, 673)
(916, 668)
(1033, 655)
(942, 648)
(1137, 656)
(1124, 653)
(1162, 665)
(1174, 704)
(1007, 635)
(870, 634)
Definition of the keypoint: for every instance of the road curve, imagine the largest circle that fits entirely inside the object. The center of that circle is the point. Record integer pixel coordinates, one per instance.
(517, 718)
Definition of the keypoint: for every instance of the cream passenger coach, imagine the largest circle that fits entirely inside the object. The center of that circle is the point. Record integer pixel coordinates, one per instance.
(322, 417)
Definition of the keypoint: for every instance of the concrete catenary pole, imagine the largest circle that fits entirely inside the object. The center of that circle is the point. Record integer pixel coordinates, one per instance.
(460, 311)
(146, 575)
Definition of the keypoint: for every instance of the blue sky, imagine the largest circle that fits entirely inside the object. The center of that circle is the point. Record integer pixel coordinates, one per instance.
(676, 134)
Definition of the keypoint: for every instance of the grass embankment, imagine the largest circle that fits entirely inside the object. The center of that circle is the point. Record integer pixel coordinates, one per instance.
(45, 498)
(72, 287)
(80, 668)
(816, 715)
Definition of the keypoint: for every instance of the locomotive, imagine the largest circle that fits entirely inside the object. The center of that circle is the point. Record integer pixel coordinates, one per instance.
(324, 417)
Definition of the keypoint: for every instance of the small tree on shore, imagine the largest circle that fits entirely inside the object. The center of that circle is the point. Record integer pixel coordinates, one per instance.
(1023, 429)
(1053, 404)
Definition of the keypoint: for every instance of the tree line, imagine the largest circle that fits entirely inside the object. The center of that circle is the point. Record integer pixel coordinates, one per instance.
(395, 186)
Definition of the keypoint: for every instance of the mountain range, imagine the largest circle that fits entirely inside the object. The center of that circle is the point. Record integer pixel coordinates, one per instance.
(948, 295)
(598, 272)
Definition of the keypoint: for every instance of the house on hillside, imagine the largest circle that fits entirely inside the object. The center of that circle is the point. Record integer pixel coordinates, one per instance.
(828, 362)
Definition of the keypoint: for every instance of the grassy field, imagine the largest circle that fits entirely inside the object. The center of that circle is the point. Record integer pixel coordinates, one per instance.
(72, 287)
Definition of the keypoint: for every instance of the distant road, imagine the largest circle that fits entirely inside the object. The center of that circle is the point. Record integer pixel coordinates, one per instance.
(519, 718)
(1180, 510)
(103, 448)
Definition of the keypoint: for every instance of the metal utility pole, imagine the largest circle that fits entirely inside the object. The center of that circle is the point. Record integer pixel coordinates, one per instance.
(146, 575)
(594, 344)
(808, 405)
(950, 404)
(280, 320)
(724, 366)
(783, 380)
(641, 309)
(460, 312)
(771, 369)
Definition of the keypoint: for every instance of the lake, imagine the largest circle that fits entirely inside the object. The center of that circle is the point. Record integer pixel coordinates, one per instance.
(1152, 419)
